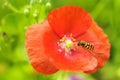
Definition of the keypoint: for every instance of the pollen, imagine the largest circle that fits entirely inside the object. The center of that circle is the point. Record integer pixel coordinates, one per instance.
(66, 44)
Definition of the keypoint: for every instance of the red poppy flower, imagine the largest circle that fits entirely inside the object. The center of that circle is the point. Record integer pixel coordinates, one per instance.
(54, 44)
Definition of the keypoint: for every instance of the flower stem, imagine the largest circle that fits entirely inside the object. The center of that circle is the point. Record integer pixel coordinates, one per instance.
(11, 7)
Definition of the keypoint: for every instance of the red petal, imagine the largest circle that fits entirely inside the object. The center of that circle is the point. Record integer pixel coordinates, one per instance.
(91, 71)
(34, 45)
(78, 61)
(69, 19)
(98, 38)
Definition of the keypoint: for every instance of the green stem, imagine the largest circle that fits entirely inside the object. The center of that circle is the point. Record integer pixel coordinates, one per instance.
(12, 8)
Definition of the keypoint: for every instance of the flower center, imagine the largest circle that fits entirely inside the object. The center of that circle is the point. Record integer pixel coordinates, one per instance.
(66, 44)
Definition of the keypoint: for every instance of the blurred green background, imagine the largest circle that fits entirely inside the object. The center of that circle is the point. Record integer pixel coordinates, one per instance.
(17, 15)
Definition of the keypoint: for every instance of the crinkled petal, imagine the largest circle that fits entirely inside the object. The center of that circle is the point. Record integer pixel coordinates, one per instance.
(99, 39)
(35, 48)
(69, 19)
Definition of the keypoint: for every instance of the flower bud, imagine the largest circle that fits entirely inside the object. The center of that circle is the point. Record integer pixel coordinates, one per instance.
(26, 12)
(48, 5)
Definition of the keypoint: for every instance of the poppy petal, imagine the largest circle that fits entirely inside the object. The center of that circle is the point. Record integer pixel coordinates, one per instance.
(77, 61)
(91, 71)
(34, 45)
(69, 19)
(99, 39)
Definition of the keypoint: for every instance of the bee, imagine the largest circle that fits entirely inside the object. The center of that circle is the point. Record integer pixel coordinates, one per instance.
(91, 49)
(85, 45)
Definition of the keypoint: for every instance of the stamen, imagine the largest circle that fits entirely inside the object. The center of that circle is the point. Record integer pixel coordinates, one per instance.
(70, 34)
(72, 37)
(60, 50)
(63, 38)
(58, 43)
(67, 44)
